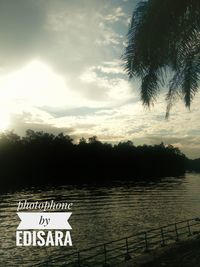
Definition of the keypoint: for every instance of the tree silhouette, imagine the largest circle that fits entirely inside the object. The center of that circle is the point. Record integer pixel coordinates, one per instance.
(41, 158)
(163, 40)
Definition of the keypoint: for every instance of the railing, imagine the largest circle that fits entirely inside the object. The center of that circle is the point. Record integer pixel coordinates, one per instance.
(123, 249)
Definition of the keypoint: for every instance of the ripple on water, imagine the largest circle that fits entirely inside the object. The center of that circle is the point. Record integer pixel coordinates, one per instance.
(101, 214)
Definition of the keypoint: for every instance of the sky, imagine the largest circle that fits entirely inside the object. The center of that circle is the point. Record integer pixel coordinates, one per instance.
(61, 71)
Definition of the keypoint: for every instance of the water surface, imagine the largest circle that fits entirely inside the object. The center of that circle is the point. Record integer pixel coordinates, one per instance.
(101, 214)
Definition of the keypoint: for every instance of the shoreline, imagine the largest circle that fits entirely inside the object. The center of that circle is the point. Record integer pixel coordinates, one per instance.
(184, 253)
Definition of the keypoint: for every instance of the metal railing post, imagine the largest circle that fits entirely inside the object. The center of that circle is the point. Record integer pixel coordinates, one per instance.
(189, 230)
(146, 242)
(105, 254)
(79, 259)
(127, 256)
(162, 237)
(127, 245)
(176, 231)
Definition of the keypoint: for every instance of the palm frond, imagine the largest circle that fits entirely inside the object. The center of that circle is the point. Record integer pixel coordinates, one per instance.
(165, 34)
(149, 88)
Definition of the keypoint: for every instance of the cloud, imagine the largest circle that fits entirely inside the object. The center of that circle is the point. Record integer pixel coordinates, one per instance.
(110, 67)
(21, 27)
(82, 111)
(60, 70)
(22, 122)
(111, 90)
(64, 34)
(66, 37)
(126, 122)
(116, 15)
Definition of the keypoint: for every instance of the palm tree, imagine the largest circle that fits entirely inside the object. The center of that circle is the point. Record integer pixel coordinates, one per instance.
(164, 42)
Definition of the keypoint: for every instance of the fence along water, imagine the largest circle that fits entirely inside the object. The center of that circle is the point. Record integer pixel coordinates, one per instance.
(125, 248)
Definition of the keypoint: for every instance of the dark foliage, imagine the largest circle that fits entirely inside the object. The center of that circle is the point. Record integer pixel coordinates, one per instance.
(194, 165)
(165, 36)
(41, 158)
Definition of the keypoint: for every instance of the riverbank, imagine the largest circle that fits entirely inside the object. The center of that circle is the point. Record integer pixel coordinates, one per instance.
(181, 254)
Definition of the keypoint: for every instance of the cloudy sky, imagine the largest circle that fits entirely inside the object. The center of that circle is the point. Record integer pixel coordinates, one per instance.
(60, 70)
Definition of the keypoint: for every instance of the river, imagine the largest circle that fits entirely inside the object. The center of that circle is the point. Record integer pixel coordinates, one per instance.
(101, 214)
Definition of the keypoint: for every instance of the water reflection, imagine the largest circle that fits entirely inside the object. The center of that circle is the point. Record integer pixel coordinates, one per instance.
(101, 214)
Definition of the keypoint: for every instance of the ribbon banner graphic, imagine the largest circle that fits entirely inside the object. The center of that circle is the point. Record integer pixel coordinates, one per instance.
(44, 220)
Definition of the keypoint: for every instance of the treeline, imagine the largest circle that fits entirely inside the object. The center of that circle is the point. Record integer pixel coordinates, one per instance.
(44, 158)
(194, 165)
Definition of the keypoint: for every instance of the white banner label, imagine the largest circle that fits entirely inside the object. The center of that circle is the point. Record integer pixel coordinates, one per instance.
(44, 220)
